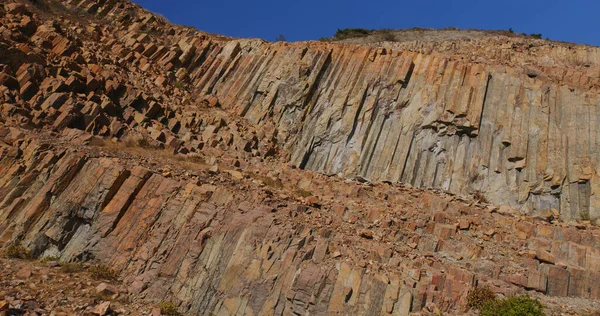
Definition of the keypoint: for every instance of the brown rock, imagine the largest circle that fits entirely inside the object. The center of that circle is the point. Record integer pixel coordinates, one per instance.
(28, 90)
(367, 234)
(102, 308)
(55, 101)
(24, 273)
(490, 232)
(212, 101)
(105, 289)
(313, 201)
(545, 257)
(8, 81)
(16, 8)
(155, 311)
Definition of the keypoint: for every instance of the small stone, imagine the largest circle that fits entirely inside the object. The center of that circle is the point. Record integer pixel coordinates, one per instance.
(313, 201)
(214, 169)
(236, 175)
(4, 306)
(490, 232)
(212, 101)
(155, 312)
(52, 264)
(544, 256)
(24, 273)
(106, 289)
(367, 234)
(102, 308)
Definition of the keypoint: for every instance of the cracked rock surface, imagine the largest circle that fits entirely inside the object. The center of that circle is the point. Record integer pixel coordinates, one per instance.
(241, 177)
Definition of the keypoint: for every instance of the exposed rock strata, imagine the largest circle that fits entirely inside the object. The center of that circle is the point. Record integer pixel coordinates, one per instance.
(206, 246)
(428, 119)
(237, 233)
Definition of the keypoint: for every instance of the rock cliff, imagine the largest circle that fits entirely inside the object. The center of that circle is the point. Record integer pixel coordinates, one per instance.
(236, 176)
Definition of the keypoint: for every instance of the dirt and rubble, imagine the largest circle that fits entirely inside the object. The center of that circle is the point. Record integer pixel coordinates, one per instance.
(44, 288)
(241, 177)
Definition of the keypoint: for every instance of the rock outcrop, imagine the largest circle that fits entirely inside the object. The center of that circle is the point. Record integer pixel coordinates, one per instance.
(206, 244)
(202, 167)
(429, 121)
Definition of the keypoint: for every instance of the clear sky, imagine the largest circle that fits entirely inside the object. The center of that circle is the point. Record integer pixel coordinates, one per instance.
(565, 20)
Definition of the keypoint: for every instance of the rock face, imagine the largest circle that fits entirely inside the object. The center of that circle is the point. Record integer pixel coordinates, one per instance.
(504, 125)
(206, 246)
(420, 119)
(199, 166)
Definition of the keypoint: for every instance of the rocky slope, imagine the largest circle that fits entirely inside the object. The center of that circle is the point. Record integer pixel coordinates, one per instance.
(187, 163)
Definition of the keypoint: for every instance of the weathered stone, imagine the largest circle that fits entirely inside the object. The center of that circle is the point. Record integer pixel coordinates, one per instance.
(105, 289)
(102, 308)
(55, 101)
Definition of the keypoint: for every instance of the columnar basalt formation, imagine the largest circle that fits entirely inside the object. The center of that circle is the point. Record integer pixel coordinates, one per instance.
(207, 245)
(516, 134)
(200, 167)
(429, 121)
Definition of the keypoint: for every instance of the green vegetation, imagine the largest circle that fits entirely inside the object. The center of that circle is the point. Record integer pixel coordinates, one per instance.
(103, 271)
(485, 300)
(17, 252)
(342, 34)
(268, 181)
(72, 267)
(280, 38)
(50, 258)
(303, 193)
(521, 305)
(584, 215)
(179, 85)
(387, 35)
(536, 35)
(169, 308)
(480, 296)
(142, 142)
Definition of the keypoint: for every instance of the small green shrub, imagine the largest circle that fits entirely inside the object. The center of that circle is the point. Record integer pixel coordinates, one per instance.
(50, 258)
(103, 272)
(72, 267)
(521, 305)
(179, 85)
(387, 35)
(480, 296)
(536, 35)
(584, 215)
(268, 181)
(143, 142)
(169, 308)
(342, 34)
(17, 252)
(303, 193)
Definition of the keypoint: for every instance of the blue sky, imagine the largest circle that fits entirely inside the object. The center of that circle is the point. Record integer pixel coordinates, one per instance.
(565, 20)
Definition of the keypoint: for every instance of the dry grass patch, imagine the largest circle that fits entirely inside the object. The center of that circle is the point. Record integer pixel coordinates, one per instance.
(17, 252)
(103, 272)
